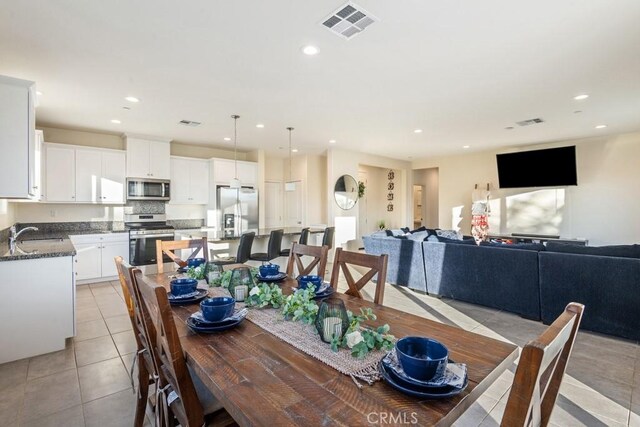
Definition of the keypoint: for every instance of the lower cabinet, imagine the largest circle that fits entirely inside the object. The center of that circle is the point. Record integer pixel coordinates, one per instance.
(95, 255)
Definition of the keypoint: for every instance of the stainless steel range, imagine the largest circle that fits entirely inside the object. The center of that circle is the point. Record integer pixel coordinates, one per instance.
(144, 231)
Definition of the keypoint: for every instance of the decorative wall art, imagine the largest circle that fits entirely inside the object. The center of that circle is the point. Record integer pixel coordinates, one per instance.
(390, 196)
(390, 186)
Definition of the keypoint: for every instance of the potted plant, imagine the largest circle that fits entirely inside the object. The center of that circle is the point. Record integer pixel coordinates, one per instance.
(361, 188)
(382, 225)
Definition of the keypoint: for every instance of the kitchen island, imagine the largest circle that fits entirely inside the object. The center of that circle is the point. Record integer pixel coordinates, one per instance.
(37, 311)
(213, 235)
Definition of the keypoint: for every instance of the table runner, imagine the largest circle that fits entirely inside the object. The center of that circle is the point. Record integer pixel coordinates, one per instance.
(306, 339)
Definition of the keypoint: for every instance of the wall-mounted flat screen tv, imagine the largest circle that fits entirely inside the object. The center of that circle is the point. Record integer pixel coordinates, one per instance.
(552, 167)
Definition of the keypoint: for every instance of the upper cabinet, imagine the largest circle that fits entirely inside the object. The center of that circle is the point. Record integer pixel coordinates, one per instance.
(189, 181)
(225, 170)
(148, 159)
(17, 139)
(84, 175)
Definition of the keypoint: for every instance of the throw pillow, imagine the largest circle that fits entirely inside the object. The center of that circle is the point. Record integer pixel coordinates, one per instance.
(405, 230)
(423, 228)
(622, 251)
(420, 235)
(449, 234)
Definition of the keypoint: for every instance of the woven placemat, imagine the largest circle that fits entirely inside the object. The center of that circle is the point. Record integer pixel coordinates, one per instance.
(306, 339)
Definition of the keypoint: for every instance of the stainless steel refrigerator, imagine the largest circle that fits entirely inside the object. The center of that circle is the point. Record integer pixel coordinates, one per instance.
(237, 209)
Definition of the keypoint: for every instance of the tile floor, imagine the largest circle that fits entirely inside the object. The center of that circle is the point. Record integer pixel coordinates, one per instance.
(87, 384)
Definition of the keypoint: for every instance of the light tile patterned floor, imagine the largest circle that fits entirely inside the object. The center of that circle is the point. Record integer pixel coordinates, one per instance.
(88, 383)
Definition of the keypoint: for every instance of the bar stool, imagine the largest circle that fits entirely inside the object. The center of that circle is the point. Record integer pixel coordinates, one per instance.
(273, 247)
(327, 239)
(304, 238)
(244, 251)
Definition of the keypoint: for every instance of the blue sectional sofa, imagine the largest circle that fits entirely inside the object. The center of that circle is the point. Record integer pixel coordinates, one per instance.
(534, 281)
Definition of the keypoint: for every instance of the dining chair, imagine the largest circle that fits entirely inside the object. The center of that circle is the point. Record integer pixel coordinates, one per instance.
(179, 394)
(243, 253)
(543, 362)
(304, 238)
(142, 357)
(273, 247)
(327, 238)
(377, 264)
(319, 254)
(164, 247)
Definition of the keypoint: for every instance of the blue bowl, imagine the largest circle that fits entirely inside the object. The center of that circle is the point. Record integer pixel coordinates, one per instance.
(183, 286)
(305, 281)
(269, 270)
(195, 262)
(218, 308)
(422, 358)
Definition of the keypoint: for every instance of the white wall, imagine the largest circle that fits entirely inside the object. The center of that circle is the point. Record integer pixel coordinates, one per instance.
(376, 200)
(51, 212)
(341, 162)
(7, 214)
(604, 207)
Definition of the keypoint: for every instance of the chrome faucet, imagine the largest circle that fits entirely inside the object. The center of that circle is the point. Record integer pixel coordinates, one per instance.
(15, 234)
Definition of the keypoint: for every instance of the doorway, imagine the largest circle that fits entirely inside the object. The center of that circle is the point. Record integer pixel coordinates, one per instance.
(418, 204)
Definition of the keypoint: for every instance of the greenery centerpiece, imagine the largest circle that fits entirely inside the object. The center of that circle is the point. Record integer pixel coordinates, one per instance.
(362, 339)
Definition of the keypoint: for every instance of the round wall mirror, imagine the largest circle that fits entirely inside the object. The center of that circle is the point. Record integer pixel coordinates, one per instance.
(346, 192)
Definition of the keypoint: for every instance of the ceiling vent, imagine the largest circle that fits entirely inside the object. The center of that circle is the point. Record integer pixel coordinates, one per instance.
(530, 122)
(348, 21)
(189, 123)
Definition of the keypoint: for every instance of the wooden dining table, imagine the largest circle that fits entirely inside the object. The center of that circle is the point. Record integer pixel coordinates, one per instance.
(264, 381)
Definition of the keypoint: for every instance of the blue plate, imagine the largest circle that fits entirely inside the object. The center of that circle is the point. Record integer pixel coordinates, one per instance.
(327, 293)
(421, 392)
(208, 328)
(279, 277)
(202, 294)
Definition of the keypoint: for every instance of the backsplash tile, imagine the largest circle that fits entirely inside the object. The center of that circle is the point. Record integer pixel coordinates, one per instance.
(76, 226)
(186, 224)
(144, 207)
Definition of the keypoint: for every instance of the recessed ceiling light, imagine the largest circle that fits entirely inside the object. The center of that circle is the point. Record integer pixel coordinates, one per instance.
(581, 97)
(116, 121)
(465, 146)
(132, 99)
(601, 126)
(294, 150)
(509, 128)
(417, 131)
(260, 125)
(332, 141)
(310, 50)
(227, 139)
(38, 93)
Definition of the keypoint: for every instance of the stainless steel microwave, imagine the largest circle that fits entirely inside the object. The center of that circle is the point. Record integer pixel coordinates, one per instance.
(148, 189)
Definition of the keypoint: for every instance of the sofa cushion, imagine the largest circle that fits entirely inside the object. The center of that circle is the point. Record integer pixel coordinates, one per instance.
(449, 234)
(525, 246)
(621, 251)
(456, 241)
(394, 232)
(419, 235)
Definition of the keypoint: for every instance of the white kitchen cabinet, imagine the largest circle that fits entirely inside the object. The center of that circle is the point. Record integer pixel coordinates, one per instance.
(96, 253)
(189, 181)
(60, 173)
(37, 173)
(100, 176)
(224, 171)
(17, 139)
(38, 318)
(148, 159)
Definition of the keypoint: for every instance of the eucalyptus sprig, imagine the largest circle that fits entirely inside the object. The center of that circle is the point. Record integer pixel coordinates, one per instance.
(301, 306)
(362, 339)
(196, 272)
(264, 295)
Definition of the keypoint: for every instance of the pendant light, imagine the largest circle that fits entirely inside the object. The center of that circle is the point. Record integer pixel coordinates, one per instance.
(235, 182)
(290, 185)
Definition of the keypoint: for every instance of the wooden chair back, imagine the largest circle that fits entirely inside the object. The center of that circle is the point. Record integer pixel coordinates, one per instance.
(167, 351)
(319, 254)
(539, 374)
(377, 264)
(168, 248)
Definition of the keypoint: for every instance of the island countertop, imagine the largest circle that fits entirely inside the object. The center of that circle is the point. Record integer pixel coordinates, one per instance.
(219, 235)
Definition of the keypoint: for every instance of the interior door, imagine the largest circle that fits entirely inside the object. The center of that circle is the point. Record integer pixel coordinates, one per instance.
(294, 209)
(273, 204)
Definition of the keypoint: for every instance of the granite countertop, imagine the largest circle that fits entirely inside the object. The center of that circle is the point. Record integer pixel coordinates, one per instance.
(43, 248)
(220, 235)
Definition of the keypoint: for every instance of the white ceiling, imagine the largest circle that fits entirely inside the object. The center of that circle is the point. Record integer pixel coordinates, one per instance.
(460, 70)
